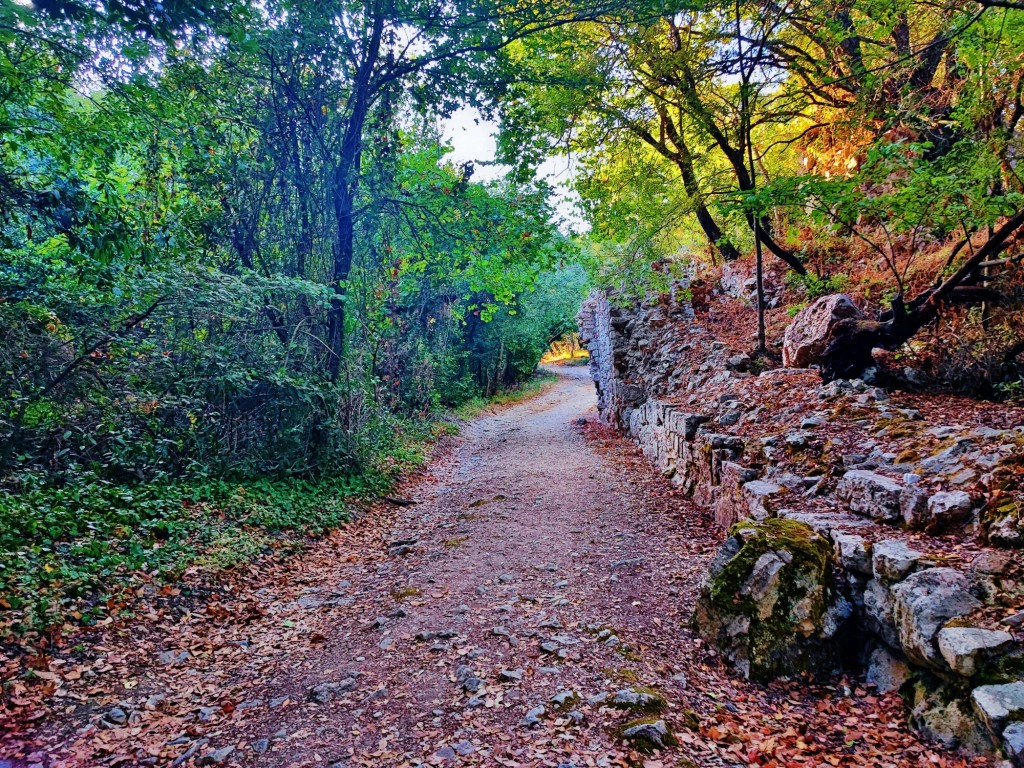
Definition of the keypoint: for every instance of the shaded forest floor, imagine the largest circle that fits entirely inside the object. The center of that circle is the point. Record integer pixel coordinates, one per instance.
(542, 557)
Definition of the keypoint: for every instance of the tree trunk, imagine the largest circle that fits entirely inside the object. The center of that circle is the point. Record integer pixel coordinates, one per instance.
(346, 183)
(684, 162)
(714, 233)
(679, 153)
(344, 249)
(735, 156)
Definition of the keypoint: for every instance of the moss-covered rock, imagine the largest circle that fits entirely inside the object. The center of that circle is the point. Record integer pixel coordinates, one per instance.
(942, 710)
(565, 700)
(639, 699)
(647, 735)
(770, 603)
(1003, 517)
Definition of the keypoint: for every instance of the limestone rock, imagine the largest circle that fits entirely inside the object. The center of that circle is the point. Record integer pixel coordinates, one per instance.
(216, 757)
(565, 700)
(998, 705)
(757, 495)
(797, 441)
(940, 511)
(922, 604)
(885, 671)
(853, 552)
(326, 692)
(878, 613)
(532, 718)
(825, 522)
(944, 715)
(892, 560)
(1006, 531)
(966, 649)
(173, 658)
(951, 724)
(992, 563)
(639, 700)
(647, 735)
(806, 337)
(1013, 742)
(116, 716)
(870, 494)
(769, 602)
(731, 506)
(914, 504)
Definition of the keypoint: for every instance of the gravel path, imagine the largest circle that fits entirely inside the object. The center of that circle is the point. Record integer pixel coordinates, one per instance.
(542, 565)
(534, 572)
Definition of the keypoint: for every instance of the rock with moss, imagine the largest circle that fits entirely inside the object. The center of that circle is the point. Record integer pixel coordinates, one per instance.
(770, 603)
(942, 712)
(565, 700)
(1003, 518)
(971, 650)
(647, 735)
(639, 700)
(1002, 523)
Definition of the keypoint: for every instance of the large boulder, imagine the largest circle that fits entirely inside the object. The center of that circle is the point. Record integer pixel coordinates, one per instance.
(769, 602)
(870, 494)
(922, 605)
(807, 336)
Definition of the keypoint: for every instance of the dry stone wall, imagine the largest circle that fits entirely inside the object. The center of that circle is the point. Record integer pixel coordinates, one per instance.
(779, 449)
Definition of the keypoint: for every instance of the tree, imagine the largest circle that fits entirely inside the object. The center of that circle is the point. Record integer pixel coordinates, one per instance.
(933, 91)
(380, 49)
(172, 231)
(667, 80)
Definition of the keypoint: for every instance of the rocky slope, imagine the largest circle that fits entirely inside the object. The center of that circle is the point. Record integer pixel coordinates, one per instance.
(862, 527)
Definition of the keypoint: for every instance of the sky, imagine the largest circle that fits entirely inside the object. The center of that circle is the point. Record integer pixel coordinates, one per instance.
(472, 138)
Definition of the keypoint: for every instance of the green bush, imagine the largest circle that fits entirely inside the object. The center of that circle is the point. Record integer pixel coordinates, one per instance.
(816, 286)
(64, 549)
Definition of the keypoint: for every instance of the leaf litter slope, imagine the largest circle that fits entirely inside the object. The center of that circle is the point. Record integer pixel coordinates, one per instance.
(542, 557)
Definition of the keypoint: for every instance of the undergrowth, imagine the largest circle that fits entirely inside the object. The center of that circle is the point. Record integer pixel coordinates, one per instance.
(540, 381)
(74, 551)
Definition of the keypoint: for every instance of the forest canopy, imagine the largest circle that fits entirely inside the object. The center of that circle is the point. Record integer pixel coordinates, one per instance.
(234, 240)
(869, 141)
(241, 276)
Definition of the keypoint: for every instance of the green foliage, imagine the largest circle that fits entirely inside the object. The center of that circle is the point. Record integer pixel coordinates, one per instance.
(816, 286)
(237, 280)
(872, 139)
(67, 551)
(506, 349)
(521, 391)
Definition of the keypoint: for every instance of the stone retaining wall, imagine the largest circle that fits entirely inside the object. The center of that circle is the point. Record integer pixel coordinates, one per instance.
(921, 621)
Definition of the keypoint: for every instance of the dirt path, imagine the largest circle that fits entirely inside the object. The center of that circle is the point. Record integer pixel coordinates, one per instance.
(541, 557)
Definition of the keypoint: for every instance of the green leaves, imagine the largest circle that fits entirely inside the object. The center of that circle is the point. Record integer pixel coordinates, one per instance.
(230, 250)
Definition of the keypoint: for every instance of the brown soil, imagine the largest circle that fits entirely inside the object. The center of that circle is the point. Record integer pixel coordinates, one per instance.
(539, 526)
